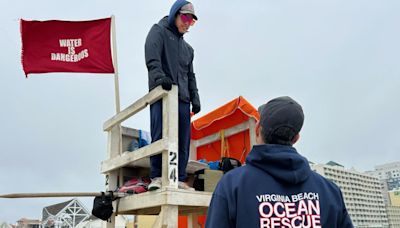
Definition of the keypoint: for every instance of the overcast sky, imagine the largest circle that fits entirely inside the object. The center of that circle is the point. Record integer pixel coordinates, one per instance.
(338, 58)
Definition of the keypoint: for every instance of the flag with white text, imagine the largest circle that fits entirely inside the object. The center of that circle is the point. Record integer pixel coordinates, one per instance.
(66, 46)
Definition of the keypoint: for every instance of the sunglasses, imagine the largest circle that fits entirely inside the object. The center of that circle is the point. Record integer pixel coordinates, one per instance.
(188, 18)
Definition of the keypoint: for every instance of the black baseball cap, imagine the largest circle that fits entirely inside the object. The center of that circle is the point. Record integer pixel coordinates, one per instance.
(281, 120)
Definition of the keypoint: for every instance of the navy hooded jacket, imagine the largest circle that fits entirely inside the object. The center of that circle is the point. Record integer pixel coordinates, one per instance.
(276, 188)
(167, 54)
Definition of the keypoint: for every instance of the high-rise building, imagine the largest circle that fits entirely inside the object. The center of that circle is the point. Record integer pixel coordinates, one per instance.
(393, 213)
(388, 171)
(389, 176)
(361, 192)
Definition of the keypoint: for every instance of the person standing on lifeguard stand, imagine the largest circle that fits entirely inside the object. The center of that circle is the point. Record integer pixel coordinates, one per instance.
(169, 61)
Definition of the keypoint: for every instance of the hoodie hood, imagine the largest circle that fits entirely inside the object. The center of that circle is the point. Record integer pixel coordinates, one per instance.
(174, 10)
(164, 23)
(280, 161)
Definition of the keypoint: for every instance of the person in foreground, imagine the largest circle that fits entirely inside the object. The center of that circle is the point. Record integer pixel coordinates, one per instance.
(169, 61)
(276, 187)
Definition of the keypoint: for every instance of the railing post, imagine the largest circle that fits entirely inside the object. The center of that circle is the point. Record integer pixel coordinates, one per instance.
(193, 150)
(252, 132)
(114, 149)
(170, 132)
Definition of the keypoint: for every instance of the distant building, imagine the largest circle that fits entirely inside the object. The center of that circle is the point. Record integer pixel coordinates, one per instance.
(28, 223)
(68, 214)
(93, 222)
(388, 171)
(393, 213)
(394, 197)
(389, 176)
(362, 194)
(5, 225)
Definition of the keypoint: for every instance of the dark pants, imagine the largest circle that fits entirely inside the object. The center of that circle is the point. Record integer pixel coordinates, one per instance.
(184, 138)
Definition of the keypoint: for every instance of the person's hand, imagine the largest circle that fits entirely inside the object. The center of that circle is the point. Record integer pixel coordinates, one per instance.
(196, 108)
(165, 82)
(196, 104)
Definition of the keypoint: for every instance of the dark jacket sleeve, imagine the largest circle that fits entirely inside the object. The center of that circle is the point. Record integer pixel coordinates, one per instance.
(218, 213)
(193, 91)
(346, 221)
(345, 218)
(153, 51)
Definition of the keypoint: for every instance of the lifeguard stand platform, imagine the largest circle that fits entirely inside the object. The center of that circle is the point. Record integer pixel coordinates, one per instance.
(169, 201)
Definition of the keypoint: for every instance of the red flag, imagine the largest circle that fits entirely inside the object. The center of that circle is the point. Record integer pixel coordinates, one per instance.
(66, 46)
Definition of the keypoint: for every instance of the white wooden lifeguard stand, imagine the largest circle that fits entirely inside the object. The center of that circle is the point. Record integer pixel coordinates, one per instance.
(169, 201)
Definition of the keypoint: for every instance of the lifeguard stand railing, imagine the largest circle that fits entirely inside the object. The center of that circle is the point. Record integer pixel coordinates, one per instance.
(169, 201)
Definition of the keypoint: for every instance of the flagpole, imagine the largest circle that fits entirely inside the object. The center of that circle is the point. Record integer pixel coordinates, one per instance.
(115, 63)
(60, 194)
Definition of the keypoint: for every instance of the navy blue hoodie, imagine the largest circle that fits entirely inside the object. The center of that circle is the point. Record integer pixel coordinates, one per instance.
(276, 188)
(167, 54)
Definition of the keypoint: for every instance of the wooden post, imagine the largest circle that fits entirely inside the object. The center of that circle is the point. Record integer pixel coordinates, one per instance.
(170, 132)
(115, 63)
(169, 213)
(193, 220)
(169, 216)
(114, 149)
(193, 150)
(115, 137)
(252, 132)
